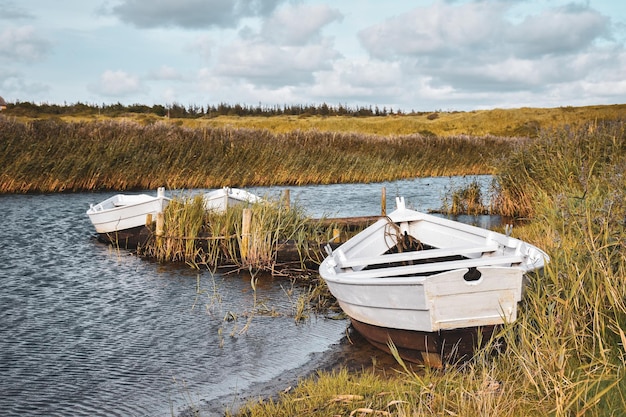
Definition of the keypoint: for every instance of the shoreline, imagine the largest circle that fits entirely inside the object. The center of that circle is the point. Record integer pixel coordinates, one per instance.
(352, 352)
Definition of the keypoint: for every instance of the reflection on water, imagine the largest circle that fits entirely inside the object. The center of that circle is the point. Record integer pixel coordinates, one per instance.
(88, 330)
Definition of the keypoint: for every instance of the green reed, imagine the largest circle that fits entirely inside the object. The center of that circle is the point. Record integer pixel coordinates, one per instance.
(211, 239)
(466, 199)
(53, 156)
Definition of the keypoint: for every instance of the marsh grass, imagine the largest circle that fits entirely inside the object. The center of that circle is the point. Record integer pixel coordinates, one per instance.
(565, 354)
(55, 156)
(466, 199)
(209, 239)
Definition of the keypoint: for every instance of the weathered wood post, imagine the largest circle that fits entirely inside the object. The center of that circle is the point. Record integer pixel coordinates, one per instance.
(246, 222)
(160, 227)
(287, 199)
(383, 202)
(160, 218)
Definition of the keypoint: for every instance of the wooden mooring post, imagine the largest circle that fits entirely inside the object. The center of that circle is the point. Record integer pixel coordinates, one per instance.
(160, 227)
(383, 202)
(246, 223)
(336, 235)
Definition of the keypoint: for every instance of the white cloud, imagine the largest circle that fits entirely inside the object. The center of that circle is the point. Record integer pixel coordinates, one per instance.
(277, 65)
(298, 24)
(288, 50)
(22, 44)
(437, 29)
(474, 47)
(118, 83)
(359, 80)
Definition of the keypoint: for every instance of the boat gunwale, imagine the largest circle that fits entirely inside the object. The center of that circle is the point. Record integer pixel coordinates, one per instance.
(384, 275)
(101, 208)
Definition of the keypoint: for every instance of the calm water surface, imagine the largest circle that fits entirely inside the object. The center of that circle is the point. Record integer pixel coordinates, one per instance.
(89, 331)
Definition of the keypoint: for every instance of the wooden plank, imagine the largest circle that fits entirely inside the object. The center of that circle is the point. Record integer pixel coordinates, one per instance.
(414, 255)
(433, 267)
(361, 221)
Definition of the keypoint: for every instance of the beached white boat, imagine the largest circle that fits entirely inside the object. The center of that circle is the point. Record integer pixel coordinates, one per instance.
(123, 216)
(431, 285)
(219, 200)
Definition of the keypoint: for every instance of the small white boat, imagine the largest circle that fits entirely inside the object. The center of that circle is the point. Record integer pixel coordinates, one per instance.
(123, 216)
(219, 200)
(431, 285)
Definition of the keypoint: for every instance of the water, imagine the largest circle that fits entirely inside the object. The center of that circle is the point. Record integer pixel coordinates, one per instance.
(89, 331)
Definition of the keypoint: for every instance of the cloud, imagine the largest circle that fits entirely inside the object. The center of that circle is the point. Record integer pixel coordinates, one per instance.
(288, 27)
(12, 12)
(287, 50)
(22, 44)
(475, 46)
(438, 30)
(13, 84)
(277, 65)
(117, 84)
(557, 31)
(166, 73)
(191, 14)
(359, 81)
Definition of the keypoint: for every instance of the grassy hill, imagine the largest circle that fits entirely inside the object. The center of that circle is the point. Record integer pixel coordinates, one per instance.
(524, 122)
(498, 122)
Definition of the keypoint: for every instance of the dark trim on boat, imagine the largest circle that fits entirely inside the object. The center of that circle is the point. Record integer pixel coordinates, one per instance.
(449, 346)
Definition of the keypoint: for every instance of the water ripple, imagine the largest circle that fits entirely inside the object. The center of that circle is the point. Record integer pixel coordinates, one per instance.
(89, 331)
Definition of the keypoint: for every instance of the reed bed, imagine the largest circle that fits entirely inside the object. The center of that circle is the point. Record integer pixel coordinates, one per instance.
(211, 239)
(565, 355)
(55, 156)
(466, 199)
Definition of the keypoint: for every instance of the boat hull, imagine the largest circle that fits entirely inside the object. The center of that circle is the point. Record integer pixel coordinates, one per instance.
(431, 348)
(432, 303)
(128, 238)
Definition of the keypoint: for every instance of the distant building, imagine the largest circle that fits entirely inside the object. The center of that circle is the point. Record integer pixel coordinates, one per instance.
(3, 104)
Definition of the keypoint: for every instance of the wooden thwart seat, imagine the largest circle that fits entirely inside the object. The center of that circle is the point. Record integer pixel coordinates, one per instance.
(438, 266)
(414, 256)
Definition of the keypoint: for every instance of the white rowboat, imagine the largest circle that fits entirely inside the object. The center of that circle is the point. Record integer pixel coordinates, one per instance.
(219, 200)
(413, 278)
(126, 213)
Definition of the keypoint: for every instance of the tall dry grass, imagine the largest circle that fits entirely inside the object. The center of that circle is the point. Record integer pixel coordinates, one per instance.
(56, 156)
(211, 239)
(565, 355)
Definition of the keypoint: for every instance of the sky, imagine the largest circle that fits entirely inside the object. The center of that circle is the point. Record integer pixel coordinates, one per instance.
(419, 55)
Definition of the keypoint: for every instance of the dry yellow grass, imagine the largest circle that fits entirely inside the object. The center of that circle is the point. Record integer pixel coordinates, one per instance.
(498, 122)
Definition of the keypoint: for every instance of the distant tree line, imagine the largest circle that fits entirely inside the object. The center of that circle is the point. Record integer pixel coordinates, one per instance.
(193, 111)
